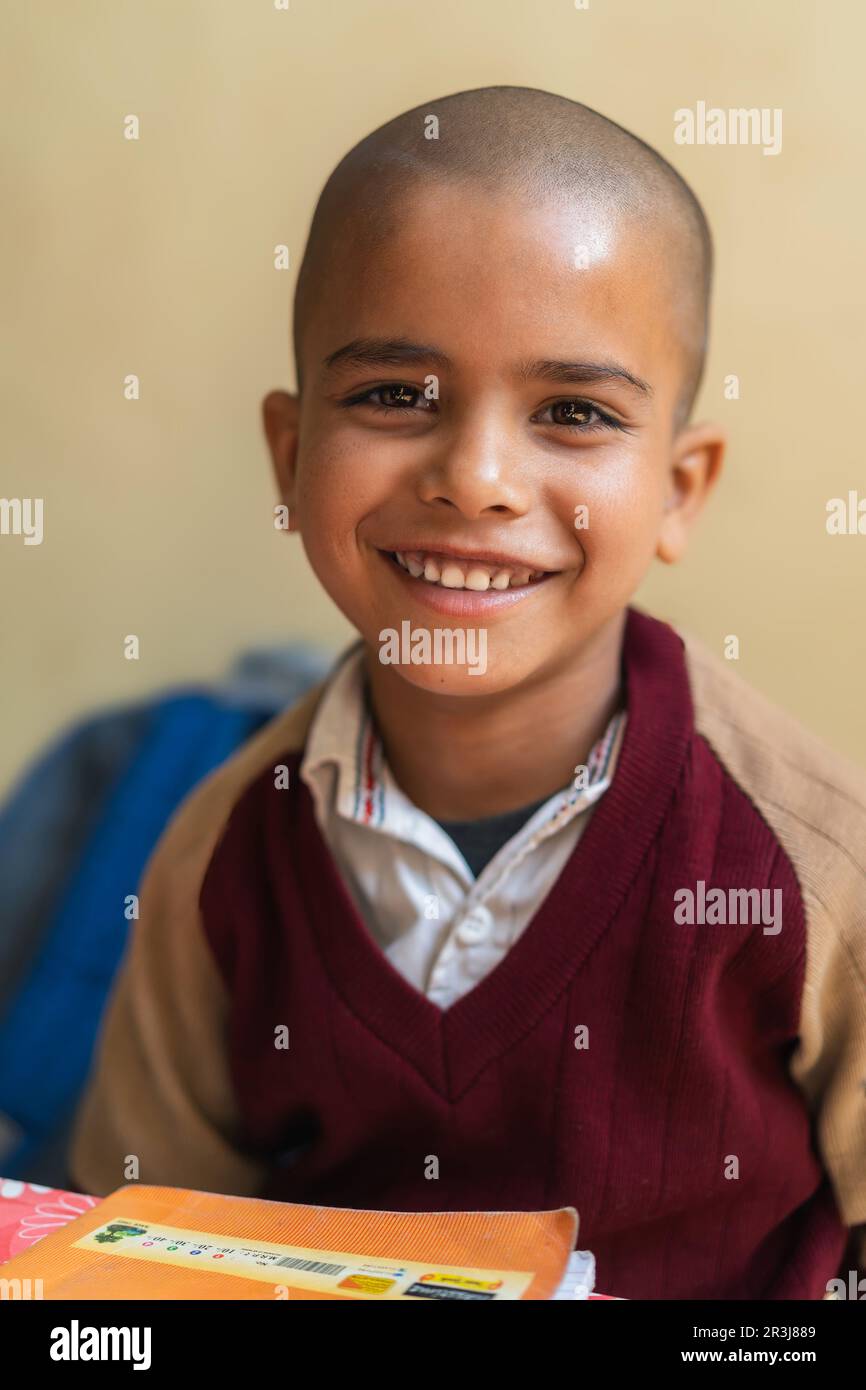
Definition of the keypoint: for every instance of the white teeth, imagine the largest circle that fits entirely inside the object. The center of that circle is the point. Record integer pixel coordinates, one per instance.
(451, 577)
(464, 574)
(478, 579)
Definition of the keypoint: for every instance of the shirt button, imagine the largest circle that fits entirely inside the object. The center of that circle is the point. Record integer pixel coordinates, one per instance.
(476, 926)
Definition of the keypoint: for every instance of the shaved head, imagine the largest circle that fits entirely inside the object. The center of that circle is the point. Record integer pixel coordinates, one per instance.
(538, 148)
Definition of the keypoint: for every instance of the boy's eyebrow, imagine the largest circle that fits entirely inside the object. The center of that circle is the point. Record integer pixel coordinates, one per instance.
(583, 374)
(385, 352)
(396, 352)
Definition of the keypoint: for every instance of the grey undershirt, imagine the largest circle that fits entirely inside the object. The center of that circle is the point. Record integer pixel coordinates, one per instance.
(479, 840)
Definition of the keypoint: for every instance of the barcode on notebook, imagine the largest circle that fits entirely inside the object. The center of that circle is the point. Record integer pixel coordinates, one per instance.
(311, 1266)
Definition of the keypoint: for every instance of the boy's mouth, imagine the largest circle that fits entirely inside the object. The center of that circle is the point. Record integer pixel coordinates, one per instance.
(465, 572)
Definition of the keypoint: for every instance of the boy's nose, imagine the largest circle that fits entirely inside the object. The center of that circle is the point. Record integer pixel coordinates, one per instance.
(476, 475)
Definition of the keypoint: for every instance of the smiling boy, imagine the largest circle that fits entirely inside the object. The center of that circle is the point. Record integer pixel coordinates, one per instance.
(420, 944)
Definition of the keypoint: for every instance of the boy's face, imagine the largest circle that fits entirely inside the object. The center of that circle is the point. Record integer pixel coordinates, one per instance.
(522, 419)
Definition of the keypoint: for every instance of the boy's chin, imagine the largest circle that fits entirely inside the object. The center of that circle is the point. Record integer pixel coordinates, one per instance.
(479, 674)
(459, 661)
(445, 681)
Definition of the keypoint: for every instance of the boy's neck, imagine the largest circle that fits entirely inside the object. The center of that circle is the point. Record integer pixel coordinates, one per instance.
(464, 757)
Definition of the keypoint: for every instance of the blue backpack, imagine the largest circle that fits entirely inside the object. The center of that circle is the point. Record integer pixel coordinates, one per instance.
(74, 839)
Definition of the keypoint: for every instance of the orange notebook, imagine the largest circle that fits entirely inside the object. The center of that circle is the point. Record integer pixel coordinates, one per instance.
(171, 1243)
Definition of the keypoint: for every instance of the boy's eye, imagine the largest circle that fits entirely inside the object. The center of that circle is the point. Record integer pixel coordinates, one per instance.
(576, 414)
(394, 395)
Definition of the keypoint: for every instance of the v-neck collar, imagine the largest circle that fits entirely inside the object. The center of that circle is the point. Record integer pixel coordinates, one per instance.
(449, 1048)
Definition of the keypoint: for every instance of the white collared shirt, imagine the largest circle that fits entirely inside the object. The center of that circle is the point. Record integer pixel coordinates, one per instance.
(441, 927)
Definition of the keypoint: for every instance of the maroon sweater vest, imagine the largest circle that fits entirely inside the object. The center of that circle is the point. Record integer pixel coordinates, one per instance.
(690, 1029)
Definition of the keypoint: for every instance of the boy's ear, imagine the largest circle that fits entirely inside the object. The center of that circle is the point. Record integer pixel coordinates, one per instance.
(696, 463)
(280, 414)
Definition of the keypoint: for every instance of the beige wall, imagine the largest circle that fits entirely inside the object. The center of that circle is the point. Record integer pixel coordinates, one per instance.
(155, 258)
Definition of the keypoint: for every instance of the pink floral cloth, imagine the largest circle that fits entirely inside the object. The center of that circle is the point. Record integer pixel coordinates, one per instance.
(28, 1212)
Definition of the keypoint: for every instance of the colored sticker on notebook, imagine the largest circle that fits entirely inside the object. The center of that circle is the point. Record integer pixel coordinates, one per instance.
(338, 1272)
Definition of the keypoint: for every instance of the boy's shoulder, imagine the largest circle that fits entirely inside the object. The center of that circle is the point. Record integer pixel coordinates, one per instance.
(813, 798)
(770, 745)
(814, 801)
(183, 853)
